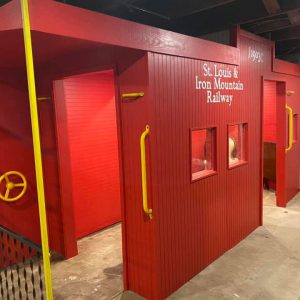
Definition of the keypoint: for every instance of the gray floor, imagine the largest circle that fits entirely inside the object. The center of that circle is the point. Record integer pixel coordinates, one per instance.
(265, 266)
(96, 273)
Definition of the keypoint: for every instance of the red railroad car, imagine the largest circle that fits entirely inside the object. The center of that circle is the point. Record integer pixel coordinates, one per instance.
(210, 109)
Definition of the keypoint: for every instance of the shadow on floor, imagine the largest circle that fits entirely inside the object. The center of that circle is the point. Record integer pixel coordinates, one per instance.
(264, 266)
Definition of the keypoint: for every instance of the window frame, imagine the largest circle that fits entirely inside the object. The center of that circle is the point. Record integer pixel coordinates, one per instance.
(209, 173)
(245, 161)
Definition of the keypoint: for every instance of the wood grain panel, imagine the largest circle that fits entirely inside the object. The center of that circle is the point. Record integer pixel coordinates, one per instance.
(87, 25)
(93, 145)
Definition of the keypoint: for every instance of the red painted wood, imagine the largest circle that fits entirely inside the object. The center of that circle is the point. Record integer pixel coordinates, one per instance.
(194, 223)
(10, 16)
(137, 230)
(291, 177)
(256, 38)
(292, 163)
(13, 59)
(274, 115)
(114, 31)
(64, 173)
(295, 127)
(135, 115)
(281, 196)
(17, 154)
(92, 138)
(270, 120)
(285, 67)
(292, 157)
(89, 61)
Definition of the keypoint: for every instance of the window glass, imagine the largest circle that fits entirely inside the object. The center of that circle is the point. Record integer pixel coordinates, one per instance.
(203, 152)
(237, 144)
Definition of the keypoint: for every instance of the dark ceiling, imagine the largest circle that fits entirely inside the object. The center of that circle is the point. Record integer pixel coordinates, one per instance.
(278, 20)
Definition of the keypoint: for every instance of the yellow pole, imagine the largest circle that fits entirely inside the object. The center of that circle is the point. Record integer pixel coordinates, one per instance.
(37, 147)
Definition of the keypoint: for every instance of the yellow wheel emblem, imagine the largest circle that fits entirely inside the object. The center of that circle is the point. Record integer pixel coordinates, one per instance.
(20, 185)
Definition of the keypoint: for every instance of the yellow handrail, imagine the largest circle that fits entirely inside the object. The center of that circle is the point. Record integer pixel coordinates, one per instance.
(36, 147)
(147, 210)
(291, 129)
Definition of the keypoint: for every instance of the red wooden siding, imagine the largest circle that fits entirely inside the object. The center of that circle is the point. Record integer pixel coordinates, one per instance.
(295, 127)
(270, 127)
(17, 155)
(193, 222)
(93, 144)
(132, 76)
(10, 16)
(139, 234)
(285, 67)
(197, 222)
(292, 157)
(114, 31)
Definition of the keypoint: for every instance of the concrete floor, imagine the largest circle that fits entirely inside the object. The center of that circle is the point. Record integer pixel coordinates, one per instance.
(264, 266)
(96, 273)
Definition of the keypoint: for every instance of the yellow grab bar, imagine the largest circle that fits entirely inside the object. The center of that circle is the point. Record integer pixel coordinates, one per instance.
(147, 210)
(291, 129)
(133, 95)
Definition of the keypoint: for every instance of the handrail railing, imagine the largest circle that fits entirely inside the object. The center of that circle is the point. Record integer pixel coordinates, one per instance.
(147, 210)
(21, 238)
(21, 267)
(291, 129)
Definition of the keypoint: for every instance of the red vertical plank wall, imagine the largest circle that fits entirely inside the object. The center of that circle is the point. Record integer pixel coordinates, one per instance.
(92, 134)
(50, 169)
(281, 69)
(15, 139)
(196, 222)
(292, 157)
(269, 106)
(61, 229)
(193, 222)
(131, 76)
(135, 115)
(17, 155)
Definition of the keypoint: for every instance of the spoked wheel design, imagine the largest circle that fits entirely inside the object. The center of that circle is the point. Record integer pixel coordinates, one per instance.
(20, 185)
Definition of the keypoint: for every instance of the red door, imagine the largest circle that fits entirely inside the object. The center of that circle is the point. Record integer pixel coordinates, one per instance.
(89, 147)
(275, 133)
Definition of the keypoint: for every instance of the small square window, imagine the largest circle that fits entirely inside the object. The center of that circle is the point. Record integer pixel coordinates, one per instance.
(237, 144)
(203, 152)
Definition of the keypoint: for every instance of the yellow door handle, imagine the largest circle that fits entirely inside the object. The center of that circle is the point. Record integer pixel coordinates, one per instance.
(22, 185)
(147, 210)
(291, 129)
(133, 95)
